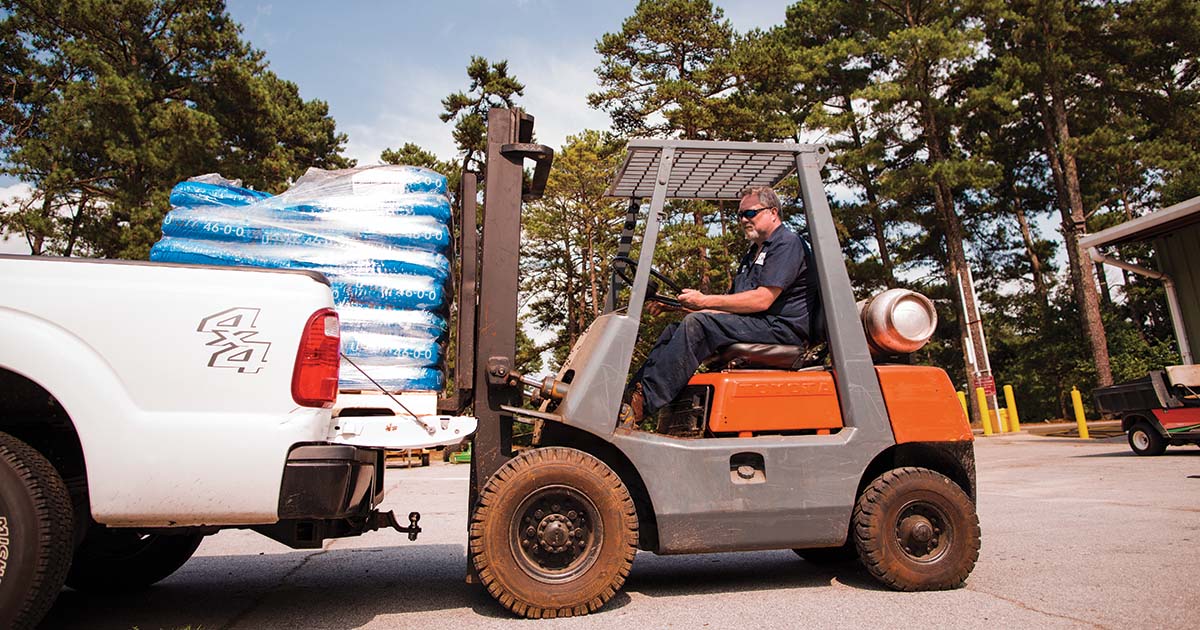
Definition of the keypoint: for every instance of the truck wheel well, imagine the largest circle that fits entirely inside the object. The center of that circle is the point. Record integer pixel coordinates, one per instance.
(33, 415)
(557, 434)
(955, 460)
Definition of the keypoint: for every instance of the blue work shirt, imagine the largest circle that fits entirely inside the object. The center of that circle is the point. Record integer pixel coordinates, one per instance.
(784, 261)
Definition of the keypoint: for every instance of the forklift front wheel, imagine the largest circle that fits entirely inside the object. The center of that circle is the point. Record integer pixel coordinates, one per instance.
(555, 533)
(916, 530)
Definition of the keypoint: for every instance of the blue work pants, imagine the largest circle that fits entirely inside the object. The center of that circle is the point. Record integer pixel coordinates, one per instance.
(682, 346)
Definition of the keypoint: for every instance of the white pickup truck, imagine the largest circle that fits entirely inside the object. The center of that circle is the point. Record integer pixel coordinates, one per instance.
(144, 406)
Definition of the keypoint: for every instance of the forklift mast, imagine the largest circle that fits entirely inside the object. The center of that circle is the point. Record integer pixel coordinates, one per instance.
(488, 285)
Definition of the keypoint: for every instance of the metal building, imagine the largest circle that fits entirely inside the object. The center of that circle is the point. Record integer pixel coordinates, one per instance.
(1175, 234)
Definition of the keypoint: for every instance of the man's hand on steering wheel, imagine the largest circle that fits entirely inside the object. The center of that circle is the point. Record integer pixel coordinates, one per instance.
(692, 299)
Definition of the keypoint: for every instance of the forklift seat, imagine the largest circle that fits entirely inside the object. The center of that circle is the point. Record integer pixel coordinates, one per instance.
(769, 356)
(761, 355)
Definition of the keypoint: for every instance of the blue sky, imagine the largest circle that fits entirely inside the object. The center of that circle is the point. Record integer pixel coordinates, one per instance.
(383, 67)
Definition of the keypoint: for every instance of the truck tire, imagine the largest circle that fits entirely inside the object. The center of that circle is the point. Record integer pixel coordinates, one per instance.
(119, 560)
(36, 530)
(1144, 439)
(555, 533)
(916, 530)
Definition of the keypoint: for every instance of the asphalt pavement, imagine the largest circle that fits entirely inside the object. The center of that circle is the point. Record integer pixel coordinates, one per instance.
(1076, 534)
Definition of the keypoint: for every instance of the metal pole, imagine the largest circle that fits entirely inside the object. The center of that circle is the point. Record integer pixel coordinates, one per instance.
(1014, 420)
(981, 400)
(641, 279)
(1080, 419)
(464, 365)
(857, 383)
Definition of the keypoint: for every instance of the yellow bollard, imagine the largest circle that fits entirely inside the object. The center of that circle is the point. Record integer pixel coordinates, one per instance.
(1002, 415)
(1014, 421)
(1077, 400)
(962, 400)
(984, 416)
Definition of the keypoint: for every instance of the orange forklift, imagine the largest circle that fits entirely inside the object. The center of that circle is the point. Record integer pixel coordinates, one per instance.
(832, 450)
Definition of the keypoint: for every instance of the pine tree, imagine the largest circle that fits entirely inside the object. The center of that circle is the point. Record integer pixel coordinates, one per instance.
(108, 104)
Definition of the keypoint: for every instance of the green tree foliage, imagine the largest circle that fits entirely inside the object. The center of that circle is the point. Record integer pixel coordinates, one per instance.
(669, 72)
(107, 104)
(570, 237)
(491, 86)
(958, 130)
(894, 83)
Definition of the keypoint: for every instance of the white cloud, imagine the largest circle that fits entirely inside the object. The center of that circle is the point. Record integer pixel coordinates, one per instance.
(556, 89)
(408, 107)
(13, 244)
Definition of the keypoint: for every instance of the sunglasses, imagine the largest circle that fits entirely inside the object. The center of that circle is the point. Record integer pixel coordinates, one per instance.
(750, 213)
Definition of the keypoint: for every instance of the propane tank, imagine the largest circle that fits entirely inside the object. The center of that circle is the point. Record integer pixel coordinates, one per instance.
(897, 321)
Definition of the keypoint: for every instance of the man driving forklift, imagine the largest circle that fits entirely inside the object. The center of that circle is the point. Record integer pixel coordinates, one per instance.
(771, 301)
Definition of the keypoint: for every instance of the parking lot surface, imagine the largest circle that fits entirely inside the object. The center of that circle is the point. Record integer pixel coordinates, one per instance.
(1076, 534)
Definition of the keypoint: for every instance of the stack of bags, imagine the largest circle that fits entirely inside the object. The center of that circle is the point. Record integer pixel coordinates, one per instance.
(380, 234)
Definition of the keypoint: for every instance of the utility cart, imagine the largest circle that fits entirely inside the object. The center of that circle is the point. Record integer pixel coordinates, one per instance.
(849, 457)
(1157, 410)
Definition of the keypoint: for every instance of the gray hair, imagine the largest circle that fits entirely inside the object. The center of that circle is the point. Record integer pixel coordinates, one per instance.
(766, 196)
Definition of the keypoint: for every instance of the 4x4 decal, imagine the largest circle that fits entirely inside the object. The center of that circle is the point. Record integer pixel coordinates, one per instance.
(233, 330)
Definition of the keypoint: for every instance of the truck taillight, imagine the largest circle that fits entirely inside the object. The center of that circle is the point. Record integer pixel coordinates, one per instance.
(315, 378)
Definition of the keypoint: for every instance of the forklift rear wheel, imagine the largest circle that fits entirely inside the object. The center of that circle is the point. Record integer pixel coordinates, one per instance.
(916, 530)
(1144, 440)
(554, 534)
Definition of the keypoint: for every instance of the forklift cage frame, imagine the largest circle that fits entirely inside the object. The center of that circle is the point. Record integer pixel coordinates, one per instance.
(685, 519)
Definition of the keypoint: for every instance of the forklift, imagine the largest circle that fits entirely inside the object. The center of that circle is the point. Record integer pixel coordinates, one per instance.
(824, 450)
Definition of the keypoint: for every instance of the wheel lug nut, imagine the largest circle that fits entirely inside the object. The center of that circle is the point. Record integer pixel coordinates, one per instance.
(529, 531)
(538, 514)
(572, 514)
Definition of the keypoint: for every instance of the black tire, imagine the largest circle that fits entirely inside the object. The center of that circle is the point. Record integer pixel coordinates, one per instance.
(1144, 439)
(121, 560)
(36, 533)
(824, 556)
(555, 533)
(916, 530)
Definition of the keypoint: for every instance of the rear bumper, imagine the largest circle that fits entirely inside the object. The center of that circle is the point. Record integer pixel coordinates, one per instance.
(330, 481)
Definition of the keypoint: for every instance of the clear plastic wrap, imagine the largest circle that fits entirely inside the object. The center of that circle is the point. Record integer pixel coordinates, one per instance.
(380, 234)
(418, 324)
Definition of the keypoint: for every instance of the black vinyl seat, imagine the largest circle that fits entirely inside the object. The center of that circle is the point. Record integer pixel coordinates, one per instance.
(769, 356)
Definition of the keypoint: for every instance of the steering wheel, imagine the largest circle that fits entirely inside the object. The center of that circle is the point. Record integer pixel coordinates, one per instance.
(623, 264)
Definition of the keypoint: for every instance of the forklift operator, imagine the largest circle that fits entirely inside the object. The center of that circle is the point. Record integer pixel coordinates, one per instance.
(769, 302)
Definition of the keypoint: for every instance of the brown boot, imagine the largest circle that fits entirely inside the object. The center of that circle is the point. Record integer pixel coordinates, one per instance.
(637, 402)
(634, 411)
